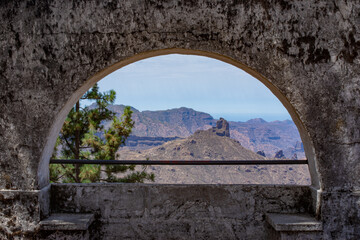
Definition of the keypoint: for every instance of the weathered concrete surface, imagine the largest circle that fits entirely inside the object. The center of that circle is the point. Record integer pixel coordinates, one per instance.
(306, 52)
(141, 211)
(21, 211)
(340, 210)
(294, 235)
(62, 235)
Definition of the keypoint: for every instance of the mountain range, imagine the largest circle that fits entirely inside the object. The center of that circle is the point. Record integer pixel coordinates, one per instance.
(214, 144)
(154, 128)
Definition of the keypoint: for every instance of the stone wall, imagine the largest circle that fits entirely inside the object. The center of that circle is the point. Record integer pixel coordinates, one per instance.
(339, 212)
(306, 52)
(21, 211)
(149, 211)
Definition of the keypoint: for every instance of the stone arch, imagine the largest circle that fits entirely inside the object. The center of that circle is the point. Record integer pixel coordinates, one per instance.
(50, 55)
(308, 145)
(307, 52)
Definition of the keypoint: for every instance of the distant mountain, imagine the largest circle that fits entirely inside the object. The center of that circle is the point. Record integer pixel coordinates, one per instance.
(211, 144)
(178, 122)
(256, 121)
(255, 134)
(270, 137)
(214, 144)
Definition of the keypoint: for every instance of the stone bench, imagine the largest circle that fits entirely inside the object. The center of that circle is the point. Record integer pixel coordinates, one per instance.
(294, 226)
(67, 222)
(66, 226)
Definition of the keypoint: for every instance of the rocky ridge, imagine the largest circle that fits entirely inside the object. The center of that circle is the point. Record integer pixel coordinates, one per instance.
(255, 134)
(214, 144)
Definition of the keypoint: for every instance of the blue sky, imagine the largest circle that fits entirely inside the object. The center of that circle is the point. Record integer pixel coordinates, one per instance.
(201, 83)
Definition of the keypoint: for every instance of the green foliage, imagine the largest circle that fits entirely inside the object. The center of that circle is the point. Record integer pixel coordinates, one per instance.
(81, 138)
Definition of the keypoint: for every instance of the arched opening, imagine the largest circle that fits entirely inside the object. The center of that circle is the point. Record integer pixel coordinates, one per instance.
(56, 127)
(306, 54)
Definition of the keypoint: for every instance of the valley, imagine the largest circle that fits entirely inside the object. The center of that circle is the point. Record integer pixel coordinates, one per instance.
(153, 128)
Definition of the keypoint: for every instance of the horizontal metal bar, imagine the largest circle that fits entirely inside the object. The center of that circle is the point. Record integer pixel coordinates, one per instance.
(179, 162)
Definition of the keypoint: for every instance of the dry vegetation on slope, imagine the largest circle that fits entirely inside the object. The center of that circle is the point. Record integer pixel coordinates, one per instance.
(255, 134)
(215, 144)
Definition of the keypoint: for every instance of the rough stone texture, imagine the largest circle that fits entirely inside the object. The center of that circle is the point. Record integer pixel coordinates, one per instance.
(141, 211)
(62, 235)
(306, 52)
(341, 209)
(19, 213)
(273, 235)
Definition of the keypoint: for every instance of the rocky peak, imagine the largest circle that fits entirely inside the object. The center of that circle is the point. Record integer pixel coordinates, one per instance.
(222, 128)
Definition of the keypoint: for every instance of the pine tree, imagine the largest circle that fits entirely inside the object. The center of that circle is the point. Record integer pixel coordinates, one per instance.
(83, 137)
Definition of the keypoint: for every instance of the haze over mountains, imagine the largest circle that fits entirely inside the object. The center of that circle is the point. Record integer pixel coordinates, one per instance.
(153, 128)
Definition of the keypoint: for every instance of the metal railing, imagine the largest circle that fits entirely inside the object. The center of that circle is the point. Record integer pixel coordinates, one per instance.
(179, 162)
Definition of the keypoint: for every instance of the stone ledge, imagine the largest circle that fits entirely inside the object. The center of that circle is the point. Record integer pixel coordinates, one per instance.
(293, 222)
(67, 222)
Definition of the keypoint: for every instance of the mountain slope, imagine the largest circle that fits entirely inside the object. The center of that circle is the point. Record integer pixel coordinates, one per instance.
(270, 137)
(178, 122)
(205, 145)
(255, 134)
(214, 144)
